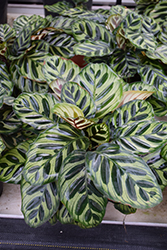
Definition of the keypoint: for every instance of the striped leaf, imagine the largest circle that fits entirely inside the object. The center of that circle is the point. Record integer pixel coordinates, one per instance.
(139, 86)
(5, 79)
(20, 22)
(114, 21)
(142, 137)
(56, 67)
(159, 53)
(134, 95)
(22, 42)
(58, 7)
(158, 166)
(9, 122)
(120, 9)
(30, 66)
(98, 134)
(83, 201)
(46, 155)
(56, 86)
(104, 86)
(123, 177)
(63, 23)
(139, 31)
(72, 114)
(2, 95)
(27, 85)
(163, 152)
(160, 108)
(124, 63)
(159, 13)
(93, 48)
(61, 45)
(125, 209)
(63, 215)
(2, 145)
(12, 163)
(39, 203)
(36, 110)
(132, 112)
(89, 30)
(6, 32)
(155, 77)
(72, 93)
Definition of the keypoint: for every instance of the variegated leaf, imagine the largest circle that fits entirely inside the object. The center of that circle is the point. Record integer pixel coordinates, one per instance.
(123, 177)
(139, 86)
(155, 77)
(159, 13)
(39, 203)
(84, 202)
(158, 166)
(28, 85)
(9, 122)
(125, 209)
(163, 152)
(159, 53)
(90, 48)
(134, 95)
(6, 32)
(63, 23)
(72, 114)
(74, 94)
(56, 86)
(58, 7)
(12, 163)
(47, 153)
(5, 79)
(160, 108)
(61, 45)
(36, 110)
(124, 63)
(104, 86)
(138, 32)
(114, 21)
(142, 137)
(56, 67)
(120, 10)
(89, 30)
(98, 134)
(2, 145)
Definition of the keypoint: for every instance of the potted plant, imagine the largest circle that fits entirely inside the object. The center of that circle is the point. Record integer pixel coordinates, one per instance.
(76, 138)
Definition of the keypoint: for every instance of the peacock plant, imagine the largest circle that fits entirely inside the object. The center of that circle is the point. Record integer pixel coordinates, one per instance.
(77, 138)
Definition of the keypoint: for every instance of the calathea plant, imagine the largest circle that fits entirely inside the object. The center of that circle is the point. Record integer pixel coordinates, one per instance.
(74, 138)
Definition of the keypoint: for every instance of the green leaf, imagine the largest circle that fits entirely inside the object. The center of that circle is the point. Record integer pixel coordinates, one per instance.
(155, 77)
(77, 192)
(125, 209)
(159, 13)
(63, 23)
(39, 203)
(5, 79)
(36, 110)
(12, 163)
(61, 45)
(86, 29)
(72, 114)
(139, 86)
(139, 31)
(124, 63)
(114, 21)
(104, 86)
(158, 166)
(30, 66)
(159, 53)
(73, 93)
(93, 48)
(2, 145)
(27, 85)
(160, 108)
(98, 134)
(55, 67)
(123, 177)
(120, 9)
(9, 122)
(163, 152)
(6, 32)
(22, 42)
(47, 153)
(58, 7)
